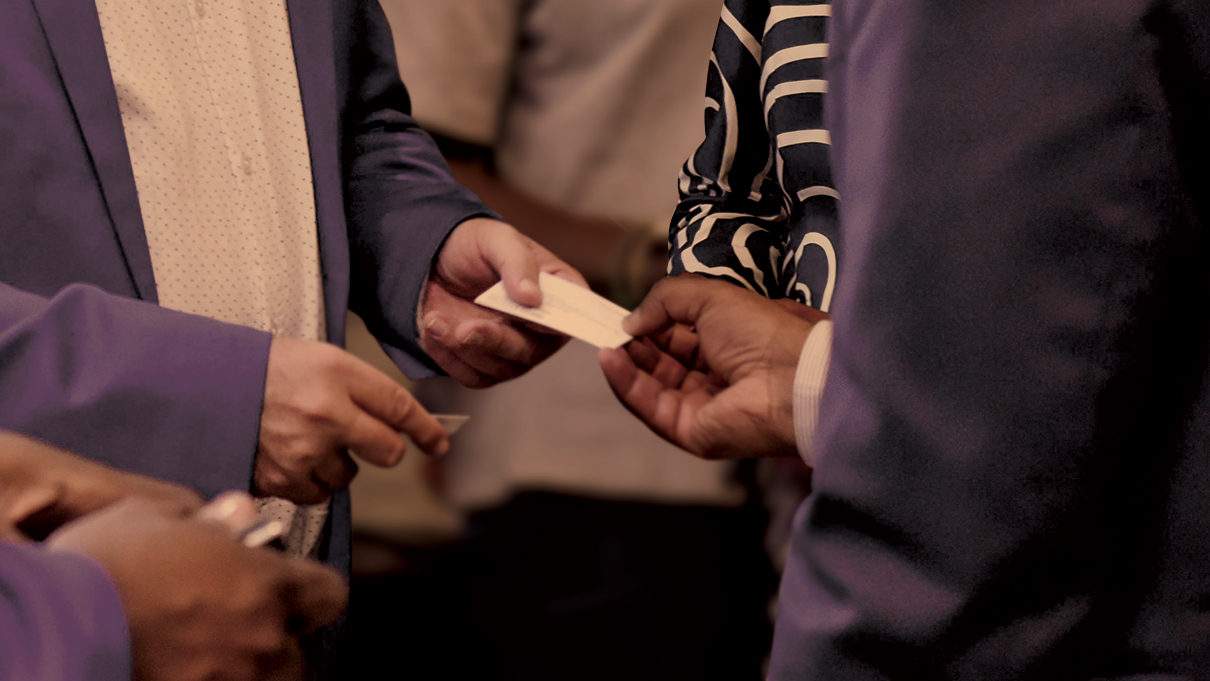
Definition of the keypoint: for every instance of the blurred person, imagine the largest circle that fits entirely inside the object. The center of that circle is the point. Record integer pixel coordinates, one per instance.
(594, 549)
(246, 171)
(1011, 448)
(138, 581)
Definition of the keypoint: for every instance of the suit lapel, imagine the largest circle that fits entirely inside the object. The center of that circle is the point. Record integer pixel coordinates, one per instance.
(74, 34)
(311, 29)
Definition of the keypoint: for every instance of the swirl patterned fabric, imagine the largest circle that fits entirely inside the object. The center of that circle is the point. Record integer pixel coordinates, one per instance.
(758, 206)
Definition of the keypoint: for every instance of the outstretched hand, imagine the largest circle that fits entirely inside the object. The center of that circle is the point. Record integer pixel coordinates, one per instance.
(43, 487)
(477, 346)
(712, 368)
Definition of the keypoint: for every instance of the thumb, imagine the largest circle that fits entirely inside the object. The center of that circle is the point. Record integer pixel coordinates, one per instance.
(509, 254)
(315, 594)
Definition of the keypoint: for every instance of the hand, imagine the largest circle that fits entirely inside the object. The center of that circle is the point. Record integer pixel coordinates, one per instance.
(475, 345)
(199, 605)
(42, 487)
(320, 399)
(711, 368)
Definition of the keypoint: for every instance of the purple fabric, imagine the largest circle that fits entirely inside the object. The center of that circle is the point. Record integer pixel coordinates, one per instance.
(1013, 451)
(60, 618)
(172, 395)
(152, 390)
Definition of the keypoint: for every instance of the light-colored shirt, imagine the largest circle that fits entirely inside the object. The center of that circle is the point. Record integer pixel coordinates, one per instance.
(592, 106)
(210, 103)
(809, 381)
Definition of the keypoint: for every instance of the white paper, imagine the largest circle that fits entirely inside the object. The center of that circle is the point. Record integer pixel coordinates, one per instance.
(262, 533)
(451, 422)
(566, 308)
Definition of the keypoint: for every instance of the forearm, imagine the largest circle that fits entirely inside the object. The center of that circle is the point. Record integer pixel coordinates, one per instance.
(133, 384)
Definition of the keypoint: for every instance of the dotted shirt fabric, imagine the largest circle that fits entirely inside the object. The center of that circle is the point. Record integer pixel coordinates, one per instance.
(210, 103)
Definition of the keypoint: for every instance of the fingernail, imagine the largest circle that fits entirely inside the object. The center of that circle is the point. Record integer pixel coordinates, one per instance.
(437, 328)
(630, 322)
(441, 448)
(529, 288)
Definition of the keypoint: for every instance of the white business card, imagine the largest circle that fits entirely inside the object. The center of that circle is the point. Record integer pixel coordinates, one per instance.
(566, 308)
(451, 422)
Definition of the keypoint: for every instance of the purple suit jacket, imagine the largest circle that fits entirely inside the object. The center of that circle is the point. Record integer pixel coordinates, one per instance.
(88, 362)
(1013, 455)
(60, 618)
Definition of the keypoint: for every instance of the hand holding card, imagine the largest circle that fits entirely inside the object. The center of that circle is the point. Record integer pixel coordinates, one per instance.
(566, 308)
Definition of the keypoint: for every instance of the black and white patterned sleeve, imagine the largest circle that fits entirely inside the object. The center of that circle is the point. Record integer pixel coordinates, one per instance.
(758, 207)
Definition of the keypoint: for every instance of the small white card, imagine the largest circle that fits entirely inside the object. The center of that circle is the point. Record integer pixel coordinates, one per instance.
(451, 422)
(566, 308)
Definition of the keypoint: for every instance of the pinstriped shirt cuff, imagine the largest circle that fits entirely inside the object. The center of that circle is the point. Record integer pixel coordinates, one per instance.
(809, 381)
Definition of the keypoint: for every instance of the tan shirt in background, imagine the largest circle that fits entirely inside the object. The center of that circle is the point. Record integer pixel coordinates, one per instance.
(592, 106)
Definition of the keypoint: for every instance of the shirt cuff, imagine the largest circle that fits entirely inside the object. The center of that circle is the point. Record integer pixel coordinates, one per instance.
(809, 380)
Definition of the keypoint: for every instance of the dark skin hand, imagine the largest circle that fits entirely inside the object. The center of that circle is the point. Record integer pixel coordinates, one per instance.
(712, 367)
(43, 487)
(200, 606)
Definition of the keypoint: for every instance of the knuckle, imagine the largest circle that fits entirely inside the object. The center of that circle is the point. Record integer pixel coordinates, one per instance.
(399, 405)
(393, 454)
(273, 482)
(318, 408)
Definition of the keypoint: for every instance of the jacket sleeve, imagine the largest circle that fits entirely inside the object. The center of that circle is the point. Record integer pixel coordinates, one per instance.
(133, 385)
(402, 200)
(60, 619)
(757, 194)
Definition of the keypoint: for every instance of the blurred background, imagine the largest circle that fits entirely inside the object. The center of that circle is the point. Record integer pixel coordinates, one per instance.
(560, 539)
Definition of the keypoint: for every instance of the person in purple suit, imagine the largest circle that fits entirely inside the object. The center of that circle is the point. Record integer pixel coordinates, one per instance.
(1013, 441)
(133, 578)
(194, 193)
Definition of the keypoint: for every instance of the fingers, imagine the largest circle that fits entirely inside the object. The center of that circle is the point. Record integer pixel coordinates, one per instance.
(287, 664)
(301, 486)
(335, 472)
(675, 299)
(682, 299)
(234, 510)
(650, 400)
(480, 347)
(662, 366)
(497, 346)
(509, 254)
(10, 534)
(461, 326)
(314, 594)
(388, 409)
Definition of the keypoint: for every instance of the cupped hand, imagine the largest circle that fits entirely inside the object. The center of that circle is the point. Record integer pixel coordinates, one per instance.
(199, 605)
(712, 368)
